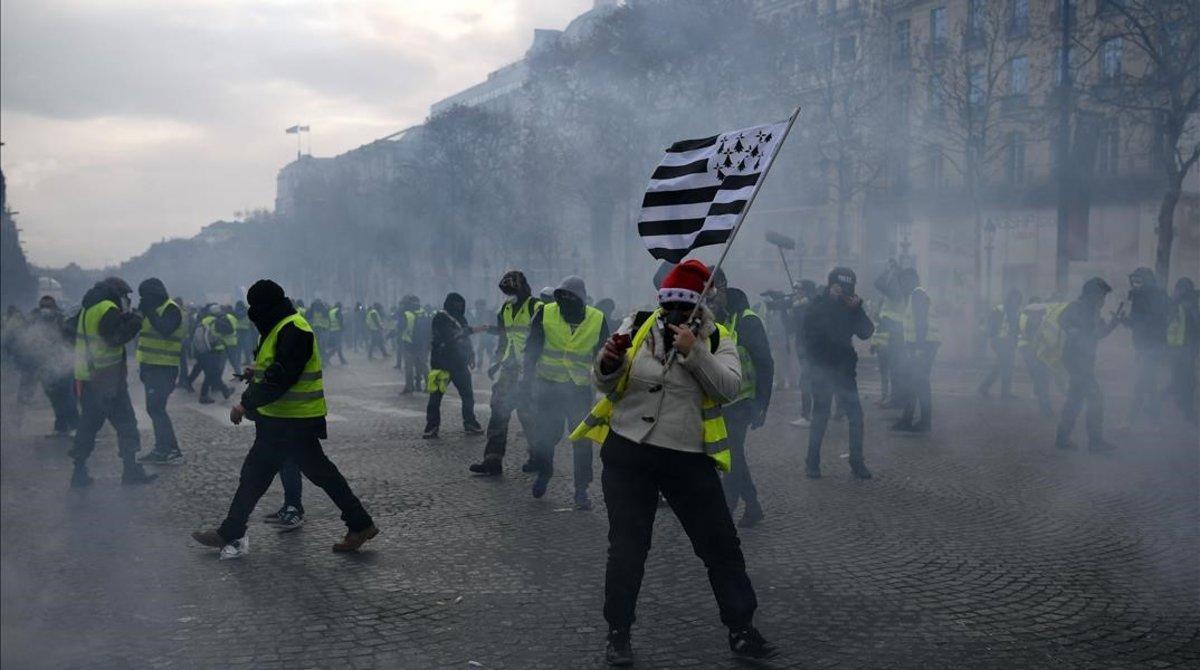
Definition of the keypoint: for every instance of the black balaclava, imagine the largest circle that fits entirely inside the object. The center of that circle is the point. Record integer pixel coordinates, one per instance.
(152, 293)
(268, 304)
(456, 306)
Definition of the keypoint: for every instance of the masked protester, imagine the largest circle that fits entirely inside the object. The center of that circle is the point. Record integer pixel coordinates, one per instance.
(450, 361)
(660, 423)
(104, 326)
(564, 338)
(1149, 311)
(834, 318)
(159, 344)
(512, 326)
(1183, 346)
(1082, 329)
(749, 408)
(286, 402)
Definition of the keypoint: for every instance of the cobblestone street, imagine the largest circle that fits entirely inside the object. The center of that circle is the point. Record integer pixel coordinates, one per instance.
(979, 546)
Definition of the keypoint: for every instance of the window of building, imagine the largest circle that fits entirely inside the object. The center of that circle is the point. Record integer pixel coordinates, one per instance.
(1108, 147)
(1015, 163)
(1110, 58)
(1018, 76)
(937, 28)
(1018, 18)
(848, 49)
(936, 167)
(900, 37)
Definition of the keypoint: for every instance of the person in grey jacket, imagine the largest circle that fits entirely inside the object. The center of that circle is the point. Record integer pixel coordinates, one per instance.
(656, 445)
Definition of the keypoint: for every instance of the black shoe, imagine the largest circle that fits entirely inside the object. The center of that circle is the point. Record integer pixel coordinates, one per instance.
(618, 652)
(274, 517)
(80, 477)
(135, 474)
(153, 457)
(540, 484)
(749, 643)
(430, 434)
(751, 516)
(473, 429)
(528, 467)
(812, 471)
(489, 466)
(860, 471)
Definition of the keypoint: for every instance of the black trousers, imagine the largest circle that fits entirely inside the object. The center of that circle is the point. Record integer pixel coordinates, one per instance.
(634, 475)
(883, 358)
(739, 485)
(106, 401)
(60, 392)
(505, 395)
(1082, 389)
(461, 378)
(159, 381)
(273, 446)
(560, 407)
(335, 346)
(212, 363)
(829, 383)
(376, 342)
(293, 484)
(1183, 380)
(918, 388)
(415, 369)
(1002, 367)
(1145, 391)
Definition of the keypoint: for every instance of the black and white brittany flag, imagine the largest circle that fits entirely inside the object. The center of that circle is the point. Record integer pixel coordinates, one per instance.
(701, 187)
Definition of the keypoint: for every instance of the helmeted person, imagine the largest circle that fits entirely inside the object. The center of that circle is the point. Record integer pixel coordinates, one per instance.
(921, 342)
(374, 325)
(749, 409)
(835, 317)
(512, 327)
(450, 361)
(208, 343)
(104, 326)
(286, 402)
(1183, 346)
(1149, 311)
(159, 342)
(564, 338)
(664, 381)
(48, 342)
(337, 329)
(1003, 330)
(1082, 328)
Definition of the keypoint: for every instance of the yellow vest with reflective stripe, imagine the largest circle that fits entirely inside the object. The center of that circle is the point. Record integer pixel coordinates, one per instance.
(210, 322)
(516, 319)
(92, 353)
(230, 340)
(320, 320)
(153, 348)
(749, 388)
(887, 310)
(306, 398)
(567, 352)
(410, 326)
(910, 321)
(1177, 328)
(373, 320)
(595, 426)
(335, 324)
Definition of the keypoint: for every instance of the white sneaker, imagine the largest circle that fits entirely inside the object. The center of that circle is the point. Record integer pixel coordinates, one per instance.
(236, 549)
(800, 423)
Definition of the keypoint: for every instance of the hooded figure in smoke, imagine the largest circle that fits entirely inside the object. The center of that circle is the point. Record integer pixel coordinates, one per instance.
(104, 326)
(450, 361)
(1082, 329)
(289, 424)
(1148, 313)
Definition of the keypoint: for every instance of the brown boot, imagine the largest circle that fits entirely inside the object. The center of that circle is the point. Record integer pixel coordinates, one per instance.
(355, 539)
(209, 538)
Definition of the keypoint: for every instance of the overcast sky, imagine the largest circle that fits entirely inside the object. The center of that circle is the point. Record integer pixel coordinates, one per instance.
(129, 121)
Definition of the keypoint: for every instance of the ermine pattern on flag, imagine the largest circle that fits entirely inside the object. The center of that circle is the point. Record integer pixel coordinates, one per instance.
(701, 187)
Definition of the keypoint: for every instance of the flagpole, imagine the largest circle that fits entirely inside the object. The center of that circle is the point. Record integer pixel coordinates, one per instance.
(745, 210)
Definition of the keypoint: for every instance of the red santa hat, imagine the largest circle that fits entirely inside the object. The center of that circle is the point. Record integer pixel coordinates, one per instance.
(684, 283)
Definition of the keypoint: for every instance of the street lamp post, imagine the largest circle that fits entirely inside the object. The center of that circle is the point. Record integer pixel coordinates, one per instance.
(989, 233)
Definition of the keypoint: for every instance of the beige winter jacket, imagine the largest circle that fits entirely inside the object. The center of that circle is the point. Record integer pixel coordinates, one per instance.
(665, 412)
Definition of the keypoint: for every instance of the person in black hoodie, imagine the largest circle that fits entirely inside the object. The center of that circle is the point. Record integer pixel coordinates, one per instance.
(1149, 311)
(158, 367)
(834, 317)
(276, 440)
(450, 361)
(105, 323)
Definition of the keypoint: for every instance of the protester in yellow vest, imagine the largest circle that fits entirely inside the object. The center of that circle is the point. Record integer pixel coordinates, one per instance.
(208, 341)
(158, 347)
(1183, 346)
(230, 337)
(414, 357)
(374, 322)
(749, 410)
(105, 325)
(337, 328)
(662, 432)
(921, 342)
(286, 401)
(512, 326)
(564, 338)
(1039, 375)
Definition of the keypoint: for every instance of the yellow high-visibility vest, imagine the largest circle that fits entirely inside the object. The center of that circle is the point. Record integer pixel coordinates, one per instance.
(306, 398)
(749, 388)
(153, 348)
(335, 323)
(567, 351)
(230, 340)
(92, 353)
(910, 321)
(516, 319)
(596, 425)
(373, 320)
